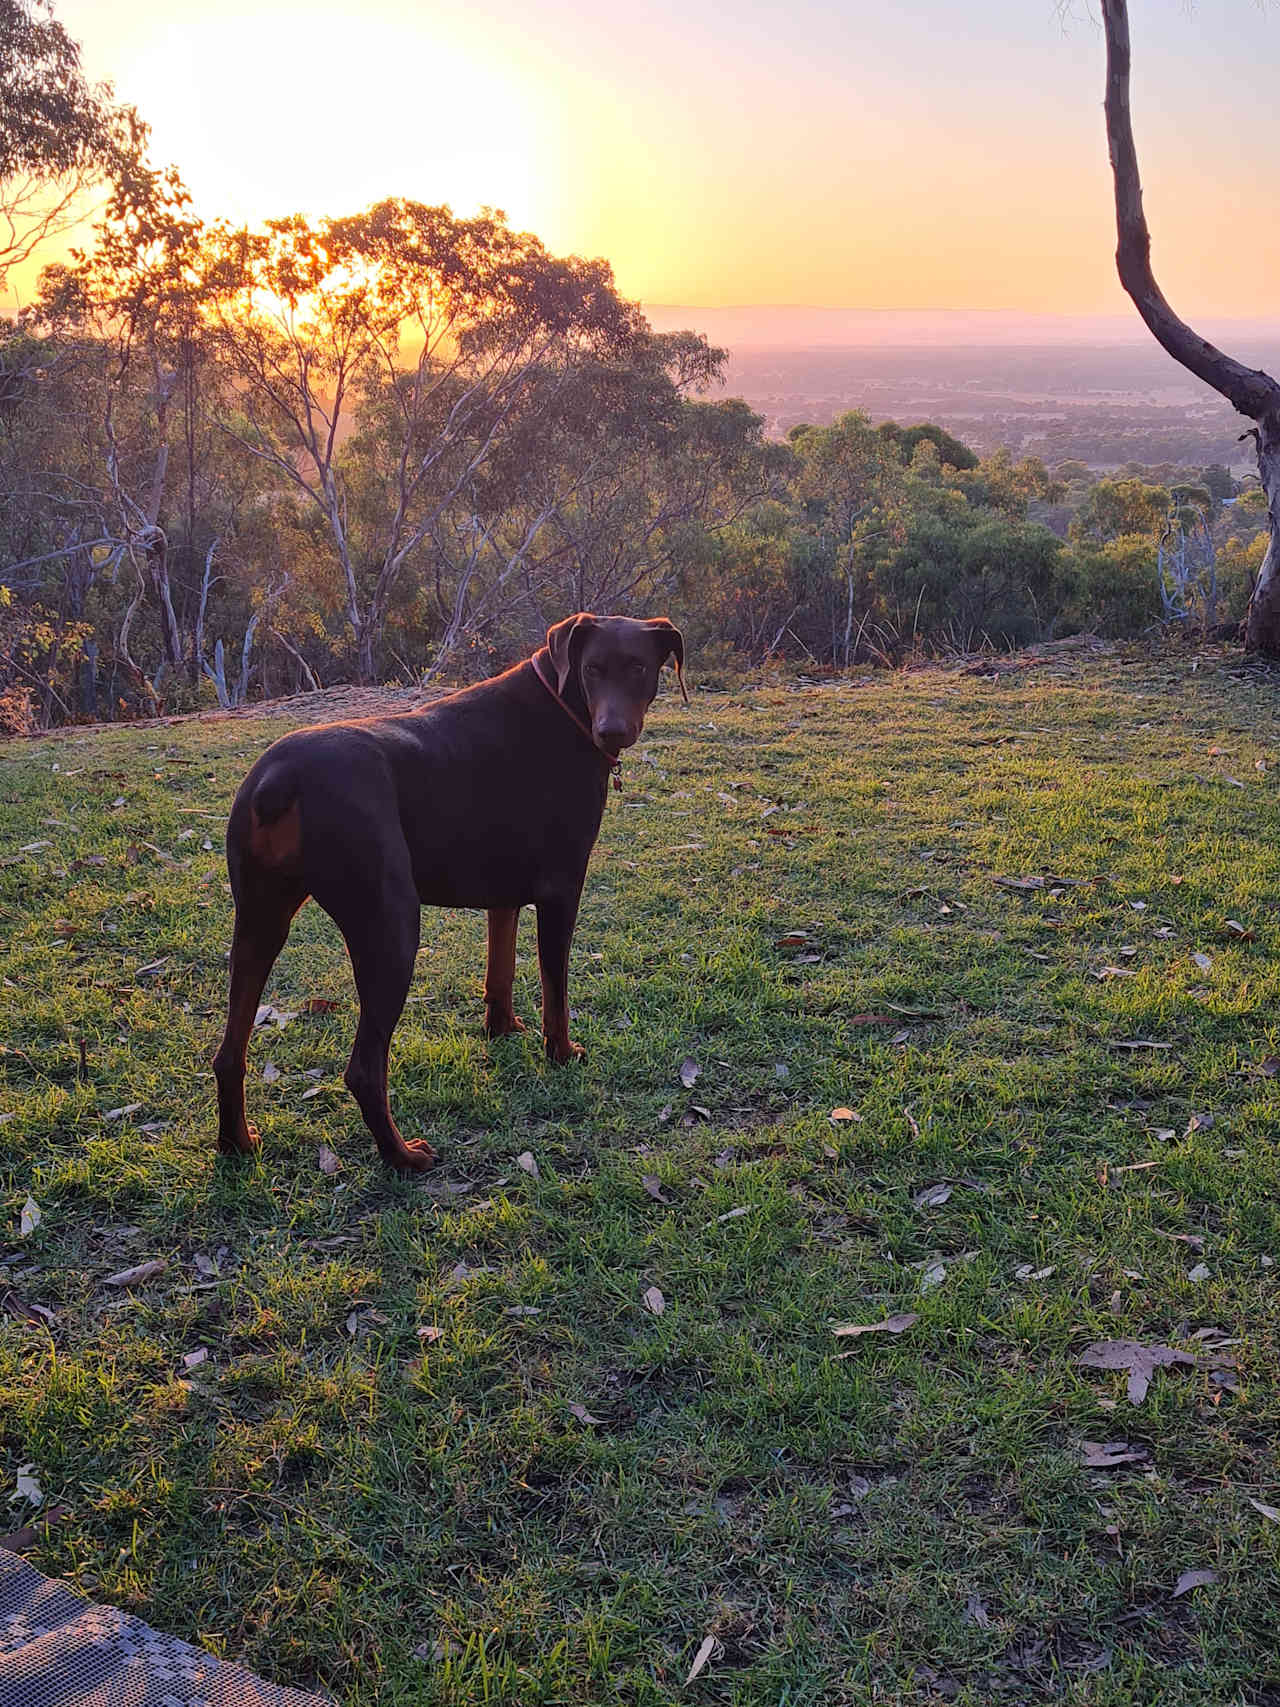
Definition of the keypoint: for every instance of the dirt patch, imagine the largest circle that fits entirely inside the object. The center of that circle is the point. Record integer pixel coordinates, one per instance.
(328, 705)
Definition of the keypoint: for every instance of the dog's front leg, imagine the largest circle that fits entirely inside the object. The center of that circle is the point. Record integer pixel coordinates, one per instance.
(557, 916)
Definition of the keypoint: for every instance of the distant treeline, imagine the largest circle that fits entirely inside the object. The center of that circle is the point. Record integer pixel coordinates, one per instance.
(401, 444)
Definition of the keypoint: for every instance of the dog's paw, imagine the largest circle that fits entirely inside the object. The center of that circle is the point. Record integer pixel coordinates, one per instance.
(564, 1052)
(502, 1025)
(245, 1142)
(415, 1156)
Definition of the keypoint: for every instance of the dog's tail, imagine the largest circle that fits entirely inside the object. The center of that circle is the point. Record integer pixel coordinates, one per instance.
(274, 793)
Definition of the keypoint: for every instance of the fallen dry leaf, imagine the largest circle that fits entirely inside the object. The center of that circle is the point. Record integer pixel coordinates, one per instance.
(136, 1275)
(1199, 1272)
(1203, 961)
(267, 1015)
(1194, 1240)
(193, 1359)
(326, 1161)
(23, 1310)
(527, 1165)
(30, 1217)
(1194, 1579)
(27, 1487)
(976, 1612)
(119, 1113)
(1139, 1043)
(319, 1005)
(653, 1185)
(654, 1301)
(1140, 1360)
(690, 1072)
(1106, 1454)
(932, 1197)
(840, 1115)
(932, 1276)
(890, 1325)
(270, 1073)
(583, 1414)
(1270, 1512)
(20, 1540)
(704, 1653)
(1238, 930)
(428, 1333)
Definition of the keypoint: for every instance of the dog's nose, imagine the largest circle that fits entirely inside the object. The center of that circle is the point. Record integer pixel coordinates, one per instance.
(613, 733)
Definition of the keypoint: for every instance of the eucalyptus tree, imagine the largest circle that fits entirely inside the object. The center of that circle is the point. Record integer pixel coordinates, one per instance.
(460, 326)
(59, 133)
(1252, 392)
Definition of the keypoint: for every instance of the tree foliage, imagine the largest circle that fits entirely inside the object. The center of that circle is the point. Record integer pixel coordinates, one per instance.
(58, 131)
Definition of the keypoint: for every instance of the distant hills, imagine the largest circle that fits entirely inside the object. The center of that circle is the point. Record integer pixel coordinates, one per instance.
(1093, 389)
(808, 328)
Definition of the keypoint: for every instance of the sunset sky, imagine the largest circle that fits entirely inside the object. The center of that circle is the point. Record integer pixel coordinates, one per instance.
(919, 154)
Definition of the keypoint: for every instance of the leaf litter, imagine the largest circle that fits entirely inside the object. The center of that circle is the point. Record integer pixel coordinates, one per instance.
(1142, 1361)
(932, 1197)
(890, 1325)
(1107, 1454)
(705, 1651)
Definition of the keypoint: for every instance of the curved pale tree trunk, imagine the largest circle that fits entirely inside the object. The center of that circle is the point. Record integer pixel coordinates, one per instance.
(1252, 392)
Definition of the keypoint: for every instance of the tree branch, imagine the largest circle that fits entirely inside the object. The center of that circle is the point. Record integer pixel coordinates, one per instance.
(1251, 391)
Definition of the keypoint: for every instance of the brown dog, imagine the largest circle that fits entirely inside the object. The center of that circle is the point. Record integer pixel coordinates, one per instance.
(489, 798)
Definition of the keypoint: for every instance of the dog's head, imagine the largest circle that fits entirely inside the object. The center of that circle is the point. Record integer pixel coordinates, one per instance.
(613, 662)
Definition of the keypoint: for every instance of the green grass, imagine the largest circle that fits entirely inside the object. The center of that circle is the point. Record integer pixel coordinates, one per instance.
(335, 1500)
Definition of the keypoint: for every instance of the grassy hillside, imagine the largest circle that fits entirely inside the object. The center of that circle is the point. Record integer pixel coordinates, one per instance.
(430, 1442)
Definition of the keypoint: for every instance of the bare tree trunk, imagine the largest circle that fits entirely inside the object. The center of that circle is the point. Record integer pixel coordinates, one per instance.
(1262, 625)
(139, 679)
(206, 582)
(1252, 392)
(308, 674)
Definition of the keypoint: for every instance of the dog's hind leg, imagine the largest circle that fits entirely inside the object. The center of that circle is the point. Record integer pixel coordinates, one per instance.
(381, 925)
(499, 1015)
(263, 917)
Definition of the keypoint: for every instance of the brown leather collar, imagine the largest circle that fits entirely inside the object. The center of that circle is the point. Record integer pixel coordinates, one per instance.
(614, 763)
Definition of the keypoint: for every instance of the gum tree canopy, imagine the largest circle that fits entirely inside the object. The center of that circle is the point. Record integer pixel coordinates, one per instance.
(58, 131)
(1254, 393)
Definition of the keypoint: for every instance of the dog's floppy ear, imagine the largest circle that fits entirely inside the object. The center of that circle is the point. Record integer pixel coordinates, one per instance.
(670, 645)
(563, 641)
